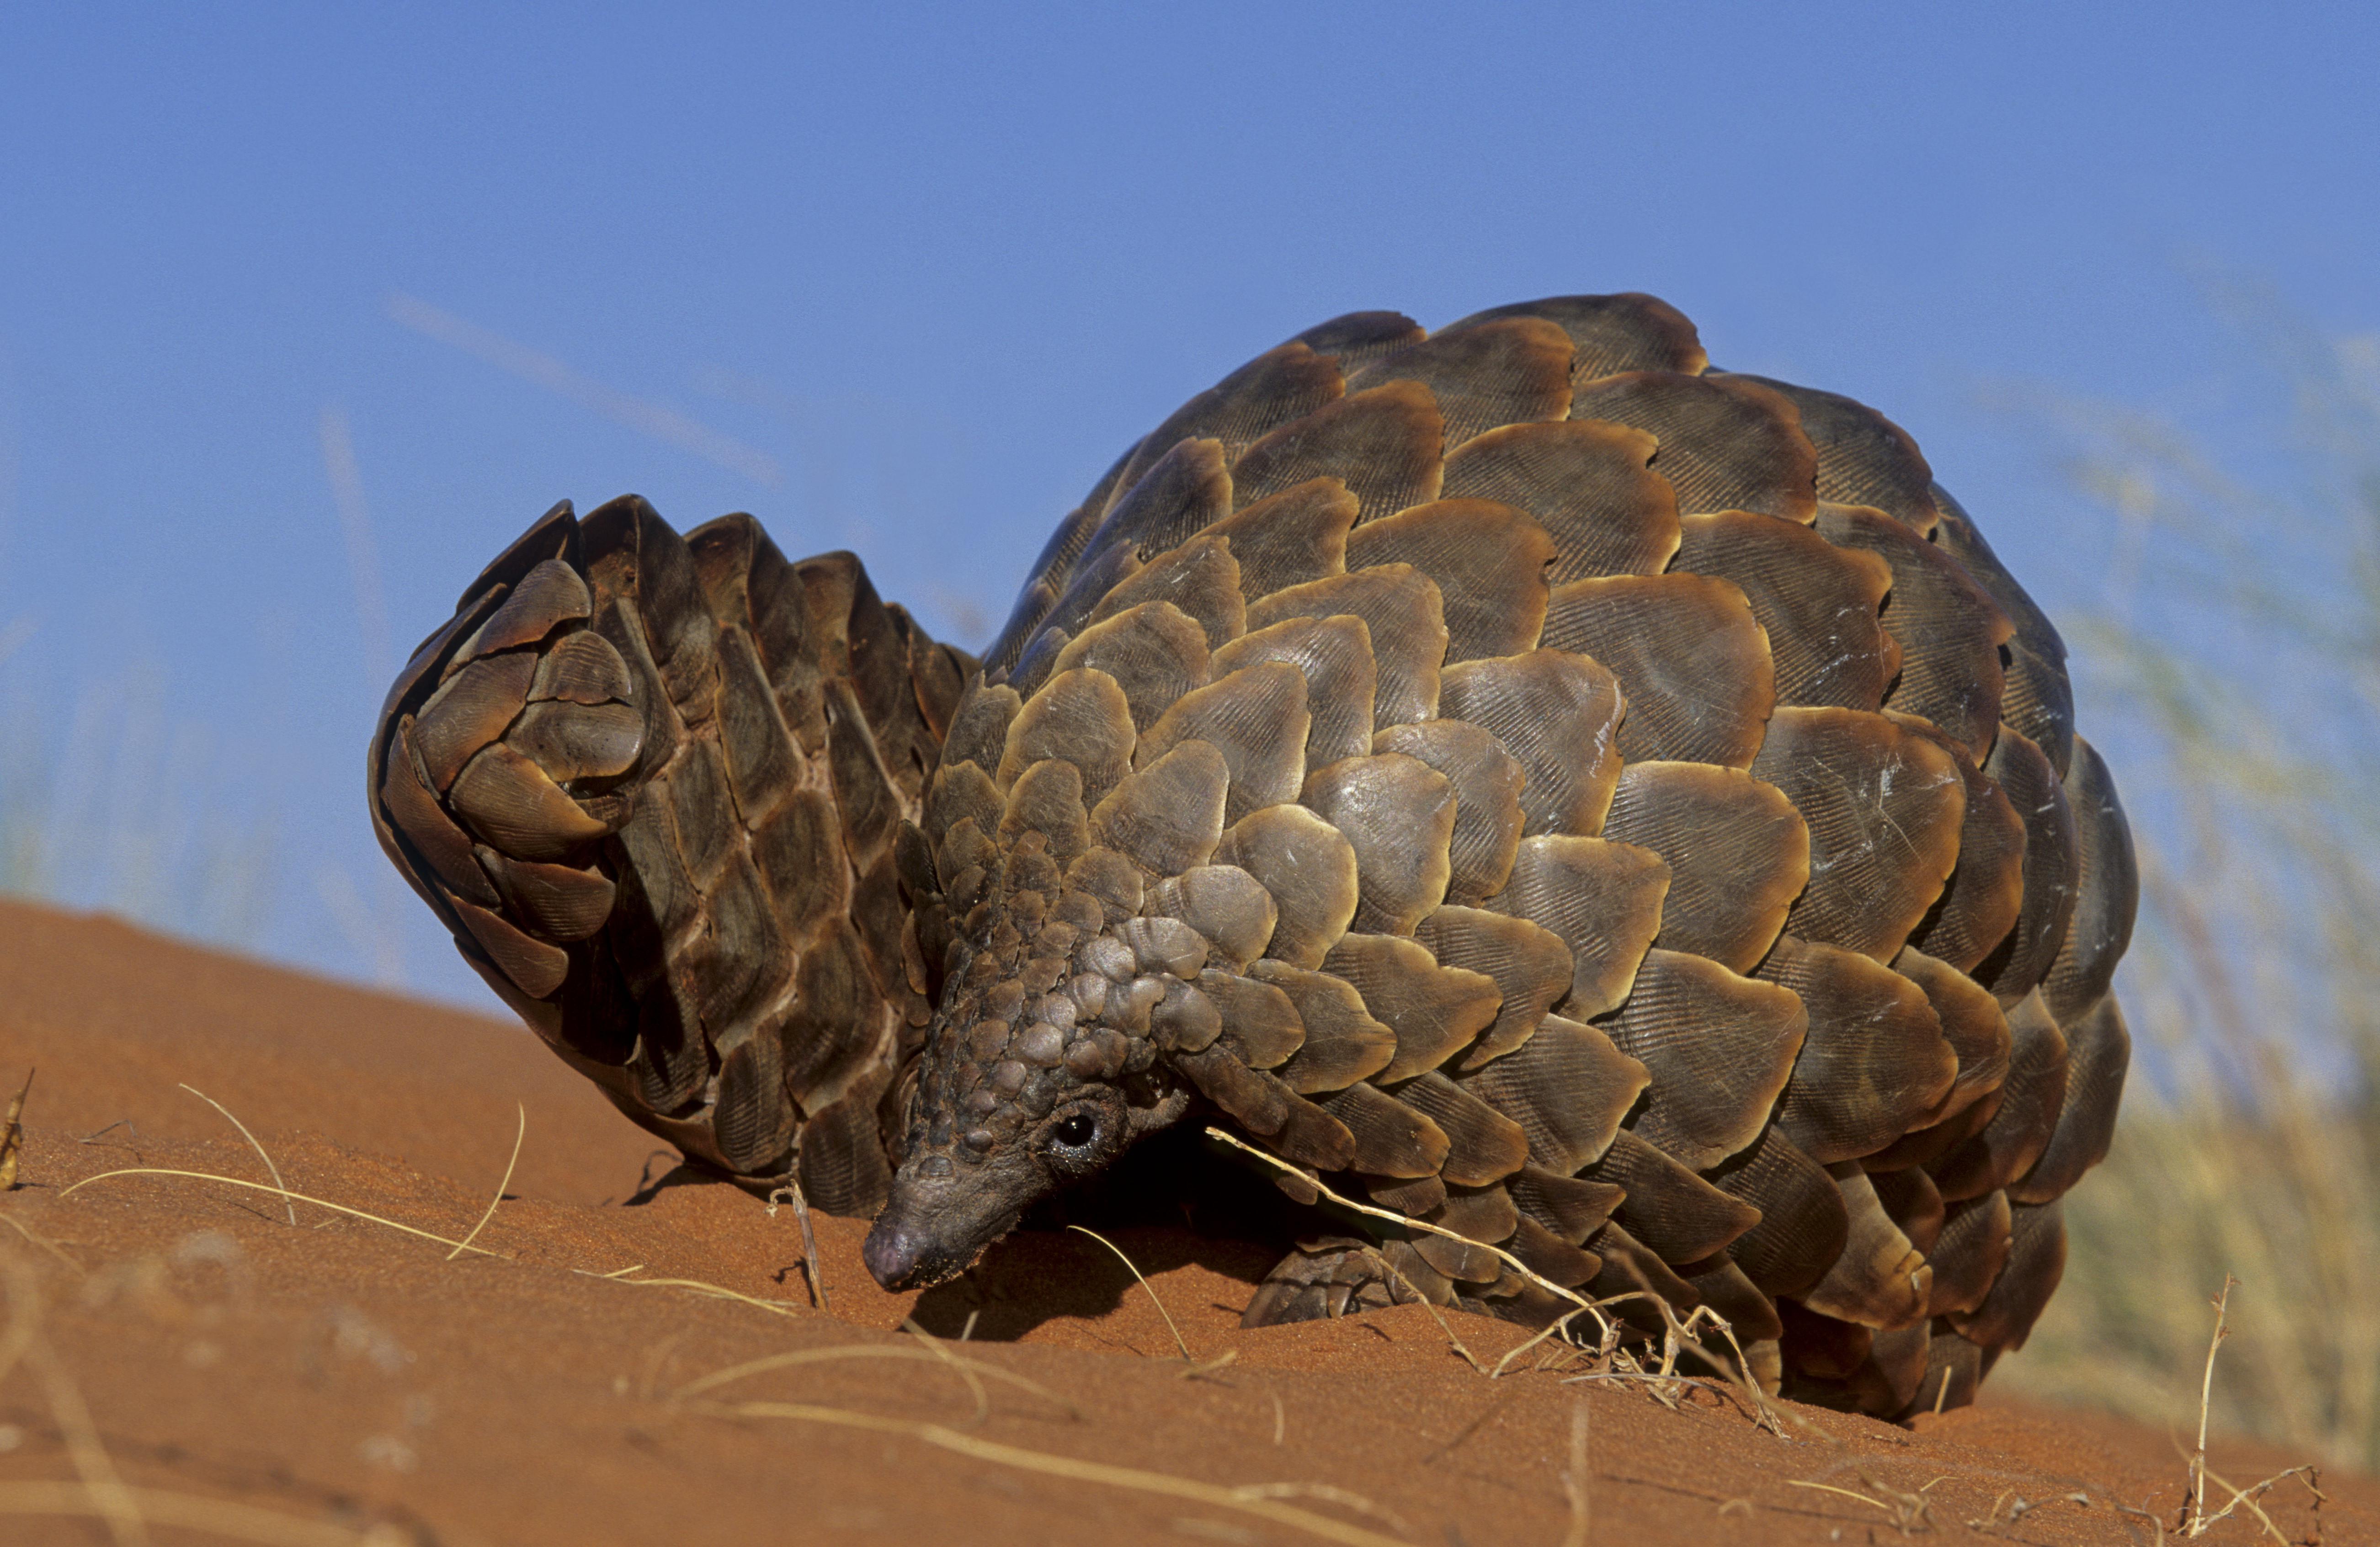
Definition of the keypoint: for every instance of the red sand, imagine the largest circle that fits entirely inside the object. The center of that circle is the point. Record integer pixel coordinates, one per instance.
(359, 1385)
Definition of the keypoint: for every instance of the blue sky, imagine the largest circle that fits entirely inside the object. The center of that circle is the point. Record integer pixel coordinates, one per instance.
(905, 279)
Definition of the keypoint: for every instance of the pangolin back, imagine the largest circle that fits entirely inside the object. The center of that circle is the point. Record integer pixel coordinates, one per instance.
(1617, 810)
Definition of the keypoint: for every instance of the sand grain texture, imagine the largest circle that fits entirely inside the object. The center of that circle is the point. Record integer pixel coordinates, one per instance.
(349, 1376)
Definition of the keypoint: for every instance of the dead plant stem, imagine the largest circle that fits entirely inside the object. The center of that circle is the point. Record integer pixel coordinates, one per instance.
(270, 1170)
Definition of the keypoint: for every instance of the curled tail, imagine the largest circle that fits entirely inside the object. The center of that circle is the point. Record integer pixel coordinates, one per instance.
(652, 784)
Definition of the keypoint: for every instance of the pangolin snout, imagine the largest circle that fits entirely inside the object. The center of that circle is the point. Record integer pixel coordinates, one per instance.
(937, 1224)
(894, 1253)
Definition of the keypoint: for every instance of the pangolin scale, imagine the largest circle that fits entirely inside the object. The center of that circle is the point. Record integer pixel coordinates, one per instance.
(1614, 809)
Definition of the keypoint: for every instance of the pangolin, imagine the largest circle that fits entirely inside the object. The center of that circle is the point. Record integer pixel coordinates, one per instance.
(1616, 810)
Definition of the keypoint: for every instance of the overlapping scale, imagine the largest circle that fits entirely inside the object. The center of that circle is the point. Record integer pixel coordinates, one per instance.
(1883, 805)
(1589, 485)
(1403, 615)
(1483, 374)
(1727, 444)
(1737, 852)
(1383, 443)
(1719, 1046)
(1817, 603)
(1488, 559)
(1947, 627)
(1863, 458)
(1693, 662)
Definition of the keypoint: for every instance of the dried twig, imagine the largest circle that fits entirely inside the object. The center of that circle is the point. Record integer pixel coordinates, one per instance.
(2193, 1511)
(792, 1193)
(2246, 1498)
(2196, 1521)
(1403, 1221)
(2197, 1525)
(1703, 1315)
(12, 1134)
(270, 1170)
(1426, 1304)
(1553, 1329)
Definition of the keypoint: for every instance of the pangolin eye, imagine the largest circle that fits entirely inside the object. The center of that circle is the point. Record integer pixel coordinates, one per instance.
(1075, 1130)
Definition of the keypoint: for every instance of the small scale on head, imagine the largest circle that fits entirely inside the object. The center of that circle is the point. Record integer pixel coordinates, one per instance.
(1042, 1065)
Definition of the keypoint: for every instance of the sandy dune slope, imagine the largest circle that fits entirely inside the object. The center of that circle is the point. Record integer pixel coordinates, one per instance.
(344, 1381)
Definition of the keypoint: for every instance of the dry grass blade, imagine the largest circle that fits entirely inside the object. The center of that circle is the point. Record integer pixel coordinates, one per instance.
(102, 1491)
(1463, 1435)
(1574, 1481)
(693, 1286)
(1329, 1493)
(110, 1500)
(270, 1170)
(464, 1245)
(1911, 1512)
(278, 1192)
(799, 1357)
(2230, 676)
(1169, 1326)
(1191, 1371)
(24, 1320)
(190, 1512)
(1048, 1465)
(1844, 1492)
(12, 1134)
(49, 1246)
(974, 1386)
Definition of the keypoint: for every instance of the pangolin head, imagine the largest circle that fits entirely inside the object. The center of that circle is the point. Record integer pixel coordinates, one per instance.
(1043, 1065)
